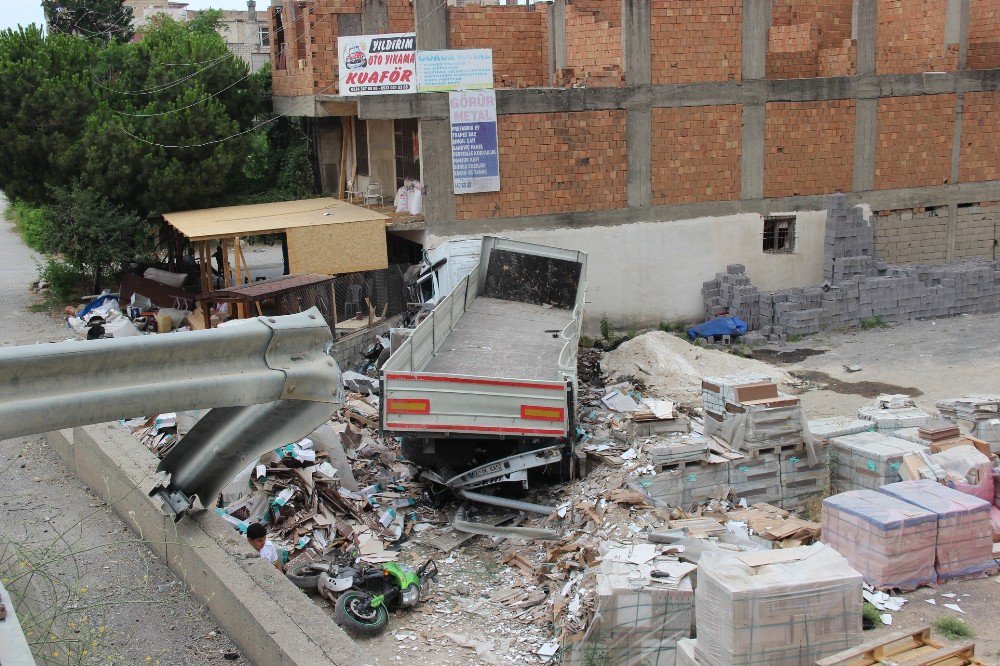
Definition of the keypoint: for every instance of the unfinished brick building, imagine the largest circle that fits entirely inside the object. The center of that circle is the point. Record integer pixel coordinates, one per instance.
(663, 136)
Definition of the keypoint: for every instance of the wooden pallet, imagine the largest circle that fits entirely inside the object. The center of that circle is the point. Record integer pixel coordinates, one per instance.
(777, 450)
(906, 649)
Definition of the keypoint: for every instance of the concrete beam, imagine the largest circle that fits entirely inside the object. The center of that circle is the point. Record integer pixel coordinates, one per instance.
(756, 23)
(752, 153)
(864, 23)
(865, 140)
(556, 22)
(638, 141)
(303, 105)
(636, 42)
(923, 197)
(270, 619)
(436, 172)
(431, 24)
(374, 17)
(551, 100)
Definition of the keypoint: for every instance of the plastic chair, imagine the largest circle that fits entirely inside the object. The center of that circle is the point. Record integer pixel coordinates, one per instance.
(373, 193)
(353, 300)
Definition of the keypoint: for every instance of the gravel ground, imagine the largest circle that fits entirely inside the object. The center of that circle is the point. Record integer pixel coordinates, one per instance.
(18, 269)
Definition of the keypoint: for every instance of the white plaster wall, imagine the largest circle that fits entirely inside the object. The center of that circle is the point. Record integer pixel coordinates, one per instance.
(642, 274)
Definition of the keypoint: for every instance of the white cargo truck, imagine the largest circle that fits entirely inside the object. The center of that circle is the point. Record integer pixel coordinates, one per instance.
(485, 386)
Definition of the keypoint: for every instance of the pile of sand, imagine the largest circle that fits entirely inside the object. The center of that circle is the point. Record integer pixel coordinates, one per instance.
(673, 367)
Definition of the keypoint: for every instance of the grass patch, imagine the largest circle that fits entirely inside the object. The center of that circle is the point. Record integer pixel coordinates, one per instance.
(873, 322)
(953, 628)
(29, 222)
(794, 337)
(870, 613)
(605, 328)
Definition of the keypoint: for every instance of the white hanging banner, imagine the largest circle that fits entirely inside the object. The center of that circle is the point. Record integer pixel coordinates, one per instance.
(462, 69)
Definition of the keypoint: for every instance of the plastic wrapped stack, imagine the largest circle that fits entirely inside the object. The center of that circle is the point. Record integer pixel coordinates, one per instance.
(867, 460)
(686, 652)
(801, 479)
(890, 542)
(964, 544)
(776, 608)
(638, 618)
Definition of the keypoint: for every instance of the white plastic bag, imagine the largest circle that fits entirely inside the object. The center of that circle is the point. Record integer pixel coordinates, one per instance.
(402, 200)
(416, 200)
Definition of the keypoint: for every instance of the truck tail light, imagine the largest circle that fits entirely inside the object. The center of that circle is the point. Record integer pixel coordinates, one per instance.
(537, 413)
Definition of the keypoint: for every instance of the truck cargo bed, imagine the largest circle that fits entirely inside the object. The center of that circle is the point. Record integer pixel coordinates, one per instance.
(498, 338)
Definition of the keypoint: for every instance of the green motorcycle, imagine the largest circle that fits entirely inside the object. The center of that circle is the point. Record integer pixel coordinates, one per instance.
(364, 609)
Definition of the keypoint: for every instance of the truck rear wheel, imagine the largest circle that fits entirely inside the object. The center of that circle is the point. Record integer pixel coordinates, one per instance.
(412, 449)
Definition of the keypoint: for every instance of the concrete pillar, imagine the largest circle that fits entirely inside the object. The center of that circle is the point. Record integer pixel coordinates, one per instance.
(349, 24)
(636, 46)
(556, 22)
(639, 143)
(756, 23)
(865, 140)
(436, 173)
(752, 158)
(864, 19)
(374, 17)
(956, 31)
(956, 28)
(431, 24)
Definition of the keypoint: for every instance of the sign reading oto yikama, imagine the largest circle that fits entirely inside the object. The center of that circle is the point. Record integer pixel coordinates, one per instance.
(475, 162)
(464, 69)
(377, 64)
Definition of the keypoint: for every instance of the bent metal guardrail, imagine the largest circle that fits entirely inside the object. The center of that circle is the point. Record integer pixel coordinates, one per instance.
(268, 380)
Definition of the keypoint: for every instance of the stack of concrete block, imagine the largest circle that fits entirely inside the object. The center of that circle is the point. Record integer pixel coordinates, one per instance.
(867, 460)
(964, 544)
(980, 414)
(756, 479)
(637, 619)
(765, 419)
(849, 242)
(687, 487)
(891, 412)
(890, 542)
(800, 479)
(782, 607)
(836, 426)
(858, 286)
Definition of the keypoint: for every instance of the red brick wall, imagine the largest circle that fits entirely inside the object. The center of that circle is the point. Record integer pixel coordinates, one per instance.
(696, 40)
(808, 147)
(910, 38)
(517, 34)
(593, 43)
(980, 137)
(309, 66)
(696, 154)
(810, 38)
(555, 163)
(400, 16)
(915, 134)
(984, 35)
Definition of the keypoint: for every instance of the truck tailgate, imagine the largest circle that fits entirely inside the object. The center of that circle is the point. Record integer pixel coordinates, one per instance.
(426, 403)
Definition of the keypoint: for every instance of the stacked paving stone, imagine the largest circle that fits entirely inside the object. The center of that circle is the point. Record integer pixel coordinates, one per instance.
(858, 286)
(979, 413)
(867, 460)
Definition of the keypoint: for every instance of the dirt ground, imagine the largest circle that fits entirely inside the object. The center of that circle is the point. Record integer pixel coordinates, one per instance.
(942, 358)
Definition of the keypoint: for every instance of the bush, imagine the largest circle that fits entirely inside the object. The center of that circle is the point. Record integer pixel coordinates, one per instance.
(873, 322)
(64, 279)
(29, 222)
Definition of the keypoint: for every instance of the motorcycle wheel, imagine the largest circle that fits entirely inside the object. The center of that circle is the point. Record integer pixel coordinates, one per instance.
(304, 575)
(355, 614)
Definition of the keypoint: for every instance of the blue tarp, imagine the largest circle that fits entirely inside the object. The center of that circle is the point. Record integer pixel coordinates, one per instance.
(96, 303)
(719, 326)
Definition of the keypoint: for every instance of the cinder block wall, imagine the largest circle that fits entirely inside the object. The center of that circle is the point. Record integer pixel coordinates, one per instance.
(913, 236)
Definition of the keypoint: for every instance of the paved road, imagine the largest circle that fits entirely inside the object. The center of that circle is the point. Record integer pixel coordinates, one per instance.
(18, 269)
(89, 584)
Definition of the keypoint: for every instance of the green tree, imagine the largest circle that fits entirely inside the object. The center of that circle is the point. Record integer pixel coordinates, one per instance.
(46, 95)
(102, 20)
(92, 233)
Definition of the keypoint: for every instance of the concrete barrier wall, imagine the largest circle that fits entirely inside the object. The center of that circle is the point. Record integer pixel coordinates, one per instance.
(270, 619)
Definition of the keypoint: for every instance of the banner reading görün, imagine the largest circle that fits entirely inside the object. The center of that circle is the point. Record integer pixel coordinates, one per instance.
(378, 64)
(475, 161)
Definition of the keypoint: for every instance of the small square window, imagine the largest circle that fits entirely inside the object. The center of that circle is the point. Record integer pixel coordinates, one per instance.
(265, 36)
(779, 234)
